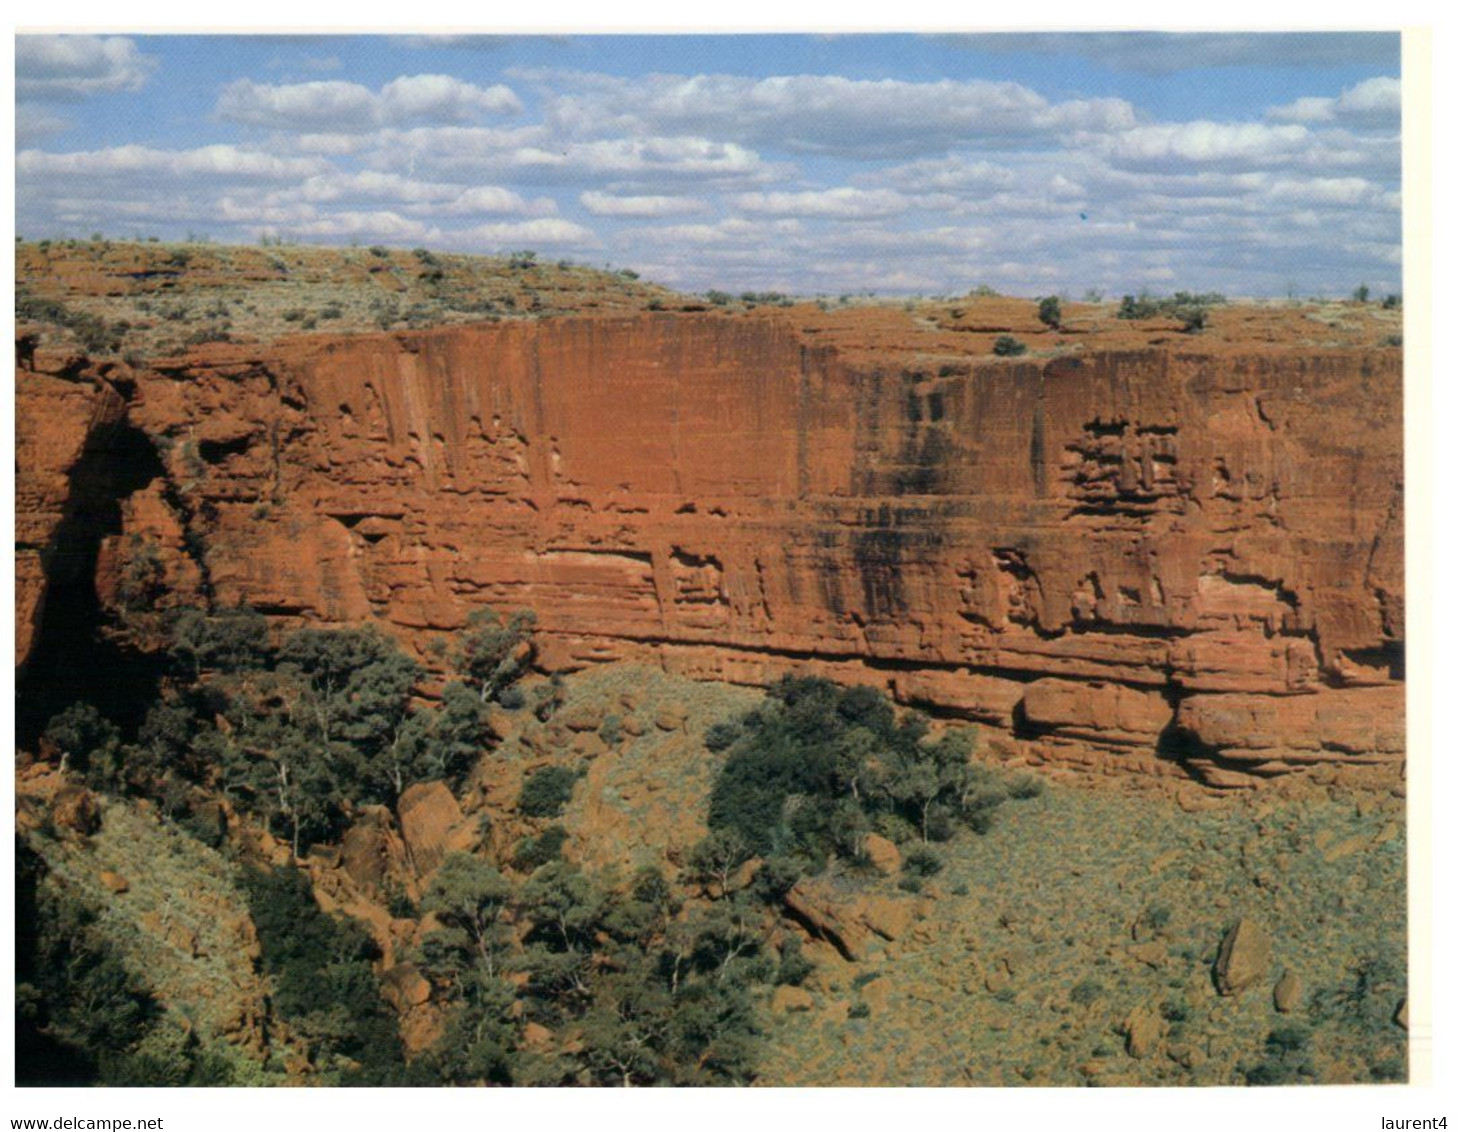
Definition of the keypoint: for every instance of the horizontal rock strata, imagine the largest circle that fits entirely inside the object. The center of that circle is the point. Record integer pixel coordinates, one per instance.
(1158, 559)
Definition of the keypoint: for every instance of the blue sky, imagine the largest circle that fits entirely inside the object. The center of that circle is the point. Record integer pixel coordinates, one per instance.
(1255, 164)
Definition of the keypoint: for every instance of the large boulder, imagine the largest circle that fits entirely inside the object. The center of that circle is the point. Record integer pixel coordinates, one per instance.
(888, 916)
(1143, 1031)
(826, 918)
(882, 853)
(371, 850)
(1286, 996)
(1100, 712)
(1244, 957)
(432, 825)
(404, 987)
(74, 808)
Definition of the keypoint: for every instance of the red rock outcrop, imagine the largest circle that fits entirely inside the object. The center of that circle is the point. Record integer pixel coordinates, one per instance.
(1156, 558)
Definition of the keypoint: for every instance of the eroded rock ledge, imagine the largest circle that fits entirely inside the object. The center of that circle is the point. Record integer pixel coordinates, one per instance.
(1162, 560)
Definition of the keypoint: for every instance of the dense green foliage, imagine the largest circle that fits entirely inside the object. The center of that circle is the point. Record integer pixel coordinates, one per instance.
(547, 791)
(1050, 312)
(324, 985)
(819, 767)
(85, 741)
(1006, 346)
(1193, 310)
(534, 852)
(493, 652)
(298, 735)
(651, 994)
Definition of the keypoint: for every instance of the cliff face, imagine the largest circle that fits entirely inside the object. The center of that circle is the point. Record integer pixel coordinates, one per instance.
(1156, 559)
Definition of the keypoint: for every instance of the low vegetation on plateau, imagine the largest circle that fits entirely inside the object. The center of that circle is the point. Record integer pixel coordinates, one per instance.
(143, 299)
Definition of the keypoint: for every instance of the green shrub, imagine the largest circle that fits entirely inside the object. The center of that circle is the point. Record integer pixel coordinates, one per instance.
(716, 858)
(1194, 319)
(1050, 312)
(86, 741)
(1151, 921)
(547, 791)
(1284, 1062)
(1085, 992)
(1388, 1069)
(534, 852)
(493, 652)
(921, 862)
(818, 767)
(1288, 1039)
(794, 968)
(1191, 308)
(721, 736)
(1007, 346)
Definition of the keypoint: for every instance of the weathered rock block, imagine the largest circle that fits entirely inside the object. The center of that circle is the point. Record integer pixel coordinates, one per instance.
(1244, 957)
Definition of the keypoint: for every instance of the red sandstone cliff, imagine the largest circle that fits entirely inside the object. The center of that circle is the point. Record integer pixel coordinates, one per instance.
(1150, 558)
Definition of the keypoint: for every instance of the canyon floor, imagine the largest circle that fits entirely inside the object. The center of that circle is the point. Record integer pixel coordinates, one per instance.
(1024, 960)
(1073, 943)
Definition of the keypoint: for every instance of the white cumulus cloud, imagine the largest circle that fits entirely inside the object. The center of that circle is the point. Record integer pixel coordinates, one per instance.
(1204, 143)
(827, 114)
(524, 233)
(338, 106)
(224, 161)
(841, 203)
(70, 67)
(638, 207)
(1373, 102)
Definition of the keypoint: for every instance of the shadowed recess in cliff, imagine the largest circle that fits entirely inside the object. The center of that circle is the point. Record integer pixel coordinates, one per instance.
(1183, 747)
(73, 658)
